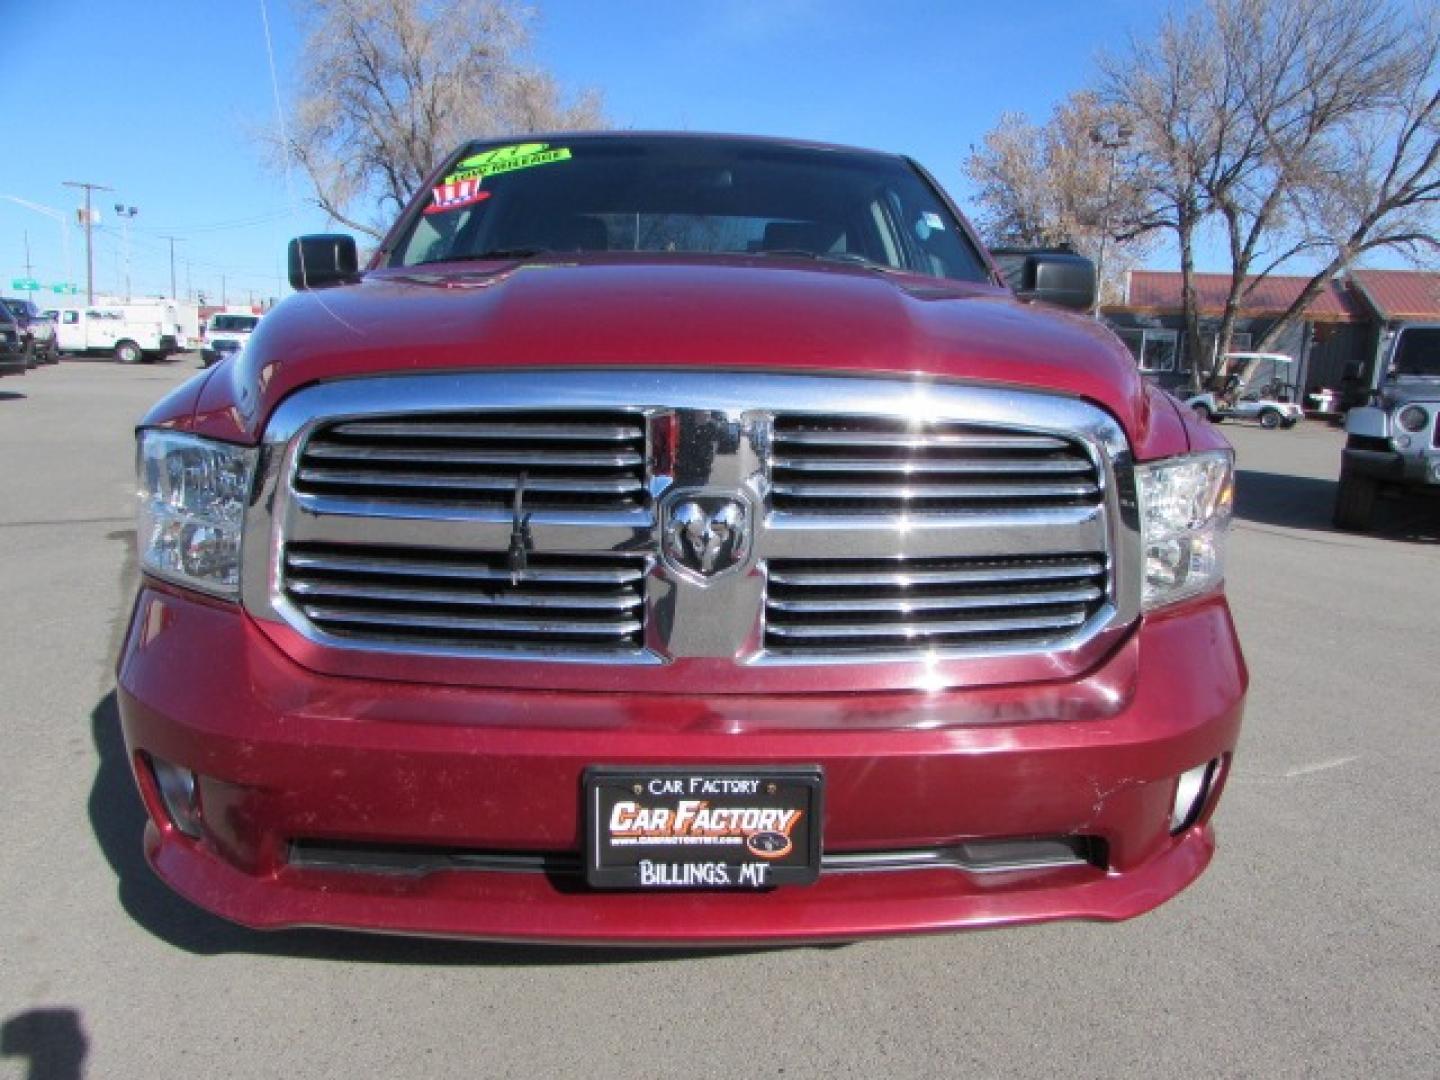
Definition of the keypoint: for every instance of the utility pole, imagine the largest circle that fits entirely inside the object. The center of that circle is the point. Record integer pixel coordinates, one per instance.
(89, 244)
(126, 214)
(28, 274)
(224, 299)
(173, 240)
(1113, 137)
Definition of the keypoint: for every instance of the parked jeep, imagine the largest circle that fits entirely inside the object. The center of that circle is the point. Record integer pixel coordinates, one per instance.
(676, 539)
(1394, 443)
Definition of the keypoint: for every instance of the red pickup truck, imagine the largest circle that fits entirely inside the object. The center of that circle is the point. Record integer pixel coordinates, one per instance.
(675, 538)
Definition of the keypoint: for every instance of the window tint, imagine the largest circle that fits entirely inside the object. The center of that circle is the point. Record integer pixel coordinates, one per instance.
(1418, 352)
(715, 196)
(234, 323)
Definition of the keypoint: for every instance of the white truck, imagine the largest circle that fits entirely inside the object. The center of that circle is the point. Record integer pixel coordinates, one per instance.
(226, 334)
(132, 332)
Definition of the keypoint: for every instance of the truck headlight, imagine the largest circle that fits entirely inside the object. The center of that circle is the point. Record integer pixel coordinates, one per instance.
(1185, 507)
(192, 493)
(1413, 418)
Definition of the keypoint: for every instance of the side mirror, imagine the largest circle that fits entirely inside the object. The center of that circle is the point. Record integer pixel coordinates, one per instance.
(1052, 277)
(323, 259)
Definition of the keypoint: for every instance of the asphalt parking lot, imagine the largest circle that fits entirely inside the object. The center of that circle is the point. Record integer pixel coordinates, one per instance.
(1309, 948)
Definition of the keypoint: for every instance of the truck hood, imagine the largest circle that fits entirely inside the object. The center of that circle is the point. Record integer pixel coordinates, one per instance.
(672, 311)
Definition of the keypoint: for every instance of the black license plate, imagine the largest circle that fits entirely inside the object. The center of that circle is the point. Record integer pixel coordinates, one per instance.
(702, 828)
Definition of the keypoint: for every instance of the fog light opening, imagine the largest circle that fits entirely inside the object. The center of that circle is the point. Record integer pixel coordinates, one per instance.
(1191, 792)
(179, 793)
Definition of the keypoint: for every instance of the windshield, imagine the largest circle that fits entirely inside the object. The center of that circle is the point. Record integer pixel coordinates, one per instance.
(234, 323)
(1418, 353)
(21, 307)
(688, 195)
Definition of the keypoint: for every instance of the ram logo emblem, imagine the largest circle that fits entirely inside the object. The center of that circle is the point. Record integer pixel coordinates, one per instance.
(706, 535)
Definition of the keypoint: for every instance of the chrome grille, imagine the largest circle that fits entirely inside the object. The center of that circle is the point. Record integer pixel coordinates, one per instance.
(474, 459)
(390, 594)
(886, 465)
(384, 520)
(830, 605)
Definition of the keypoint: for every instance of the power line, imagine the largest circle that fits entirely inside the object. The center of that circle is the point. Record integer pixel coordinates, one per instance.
(221, 226)
(156, 249)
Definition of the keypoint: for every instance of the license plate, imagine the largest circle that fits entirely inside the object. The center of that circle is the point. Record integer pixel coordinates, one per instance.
(702, 828)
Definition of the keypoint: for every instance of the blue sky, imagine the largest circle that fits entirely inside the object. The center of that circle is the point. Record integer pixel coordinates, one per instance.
(162, 100)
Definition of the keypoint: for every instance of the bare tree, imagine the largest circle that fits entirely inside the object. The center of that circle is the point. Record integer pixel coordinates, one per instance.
(1170, 85)
(390, 86)
(1239, 106)
(1379, 186)
(1303, 73)
(1058, 185)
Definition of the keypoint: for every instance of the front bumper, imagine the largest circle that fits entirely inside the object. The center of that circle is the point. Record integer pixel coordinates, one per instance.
(213, 354)
(286, 756)
(1390, 466)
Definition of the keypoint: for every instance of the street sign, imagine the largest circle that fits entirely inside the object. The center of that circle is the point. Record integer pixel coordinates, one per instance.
(24, 284)
(64, 288)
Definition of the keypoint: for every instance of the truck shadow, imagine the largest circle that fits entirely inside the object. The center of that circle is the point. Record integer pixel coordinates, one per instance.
(1304, 502)
(118, 821)
(11, 395)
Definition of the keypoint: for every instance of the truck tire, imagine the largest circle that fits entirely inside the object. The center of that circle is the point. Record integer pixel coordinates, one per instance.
(127, 352)
(1270, 419)
(1355, 502)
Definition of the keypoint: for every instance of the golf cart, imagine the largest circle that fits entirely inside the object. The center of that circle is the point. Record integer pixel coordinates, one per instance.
(1250, 386)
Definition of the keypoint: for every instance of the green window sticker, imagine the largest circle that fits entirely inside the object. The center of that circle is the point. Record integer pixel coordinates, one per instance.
(507, 159)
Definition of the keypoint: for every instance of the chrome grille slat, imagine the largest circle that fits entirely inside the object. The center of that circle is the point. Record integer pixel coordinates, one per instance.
(450, 429)
(380, 564)
(323, 615)
(583, 461)
(343, 591)
(829, 465)
(905, 575)
(431, 455)
(904, 492)
(818, 606)
(900, 440)
(947, 602)
(910, 631)
(467, 482)
(398, 596)
(983, 466)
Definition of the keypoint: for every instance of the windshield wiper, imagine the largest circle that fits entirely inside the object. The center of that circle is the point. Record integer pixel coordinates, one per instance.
(852, 257)
(487, 256)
